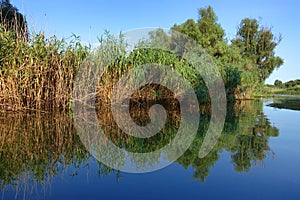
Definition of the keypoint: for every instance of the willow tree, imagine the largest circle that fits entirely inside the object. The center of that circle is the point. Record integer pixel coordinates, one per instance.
(257, 43)
(12, 20)
(206, 31)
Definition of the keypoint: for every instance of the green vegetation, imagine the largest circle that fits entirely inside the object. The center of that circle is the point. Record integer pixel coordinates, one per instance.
(37, 73)
(279, 88)
(250, 55)
(257, 44)
(271, 90)
(244, 64)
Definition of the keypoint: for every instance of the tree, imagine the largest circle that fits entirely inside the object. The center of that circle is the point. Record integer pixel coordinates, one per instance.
(257, 44)
(292, 83)
(207, 32)
(12, 20)
(212, 32)
(278, 83)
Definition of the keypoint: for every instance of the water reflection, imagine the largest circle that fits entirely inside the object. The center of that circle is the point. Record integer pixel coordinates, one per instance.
(245, 137)
(286, 102)
(35, 148)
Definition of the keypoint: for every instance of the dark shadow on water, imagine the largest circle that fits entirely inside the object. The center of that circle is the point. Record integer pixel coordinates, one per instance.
(288, 102)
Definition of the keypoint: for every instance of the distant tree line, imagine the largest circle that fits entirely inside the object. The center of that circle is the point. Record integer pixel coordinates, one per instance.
(288, 84)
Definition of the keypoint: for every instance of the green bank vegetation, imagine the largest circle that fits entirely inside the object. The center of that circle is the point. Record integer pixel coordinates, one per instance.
(37, 73)
(288, 88)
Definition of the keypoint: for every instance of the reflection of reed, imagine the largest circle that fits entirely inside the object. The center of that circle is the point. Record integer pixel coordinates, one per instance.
(139, 106)
(37, 146)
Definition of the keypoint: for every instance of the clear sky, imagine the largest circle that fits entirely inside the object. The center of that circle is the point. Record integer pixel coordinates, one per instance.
(90, 18)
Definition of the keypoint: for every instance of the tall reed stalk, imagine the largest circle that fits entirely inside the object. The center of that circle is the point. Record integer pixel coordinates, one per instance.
(37, 74)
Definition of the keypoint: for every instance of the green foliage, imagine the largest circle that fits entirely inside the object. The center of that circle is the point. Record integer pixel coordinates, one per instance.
(207, 32)
(278, 83)
(257, 44)
(211, 31)
(288, 88)
(143, 56)
(39, 73)
(232, 79)
(292, 83)
(147, 53)
(252, 51)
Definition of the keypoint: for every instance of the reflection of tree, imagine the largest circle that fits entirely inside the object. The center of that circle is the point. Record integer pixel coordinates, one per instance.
(245, 136)
(252, 146)
(201, 166)
(290, 103)
(190, 158)
(247, 149)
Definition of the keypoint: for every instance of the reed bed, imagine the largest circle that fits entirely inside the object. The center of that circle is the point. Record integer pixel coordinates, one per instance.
(37, 74)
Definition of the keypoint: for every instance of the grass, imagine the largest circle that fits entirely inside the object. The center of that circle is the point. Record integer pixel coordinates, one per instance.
(288, 91)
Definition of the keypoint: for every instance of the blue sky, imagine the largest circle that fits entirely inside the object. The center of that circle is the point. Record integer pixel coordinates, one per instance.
(90, 18)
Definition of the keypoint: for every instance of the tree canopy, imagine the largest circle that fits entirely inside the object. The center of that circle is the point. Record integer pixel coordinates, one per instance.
(206, 31)
(247, 60)
(257, 43)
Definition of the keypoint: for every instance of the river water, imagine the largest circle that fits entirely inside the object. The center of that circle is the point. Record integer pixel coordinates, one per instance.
(256, 157)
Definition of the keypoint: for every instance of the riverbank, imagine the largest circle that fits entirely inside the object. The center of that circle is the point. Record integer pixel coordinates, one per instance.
(271, 91)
